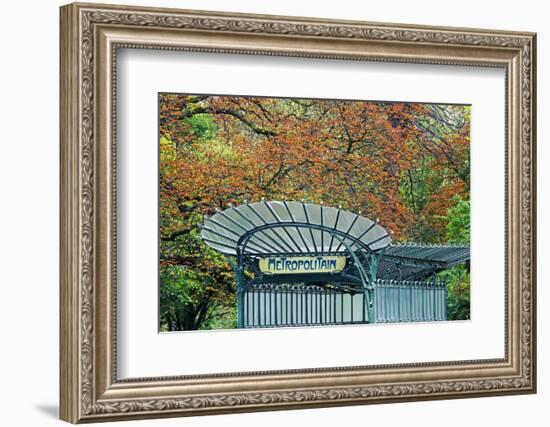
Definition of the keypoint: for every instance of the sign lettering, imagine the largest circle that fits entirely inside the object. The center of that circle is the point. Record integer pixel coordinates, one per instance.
(300, 265)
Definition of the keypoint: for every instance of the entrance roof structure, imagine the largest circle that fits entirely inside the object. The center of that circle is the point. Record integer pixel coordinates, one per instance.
(412, 261)
(296, 234)
(291, 228)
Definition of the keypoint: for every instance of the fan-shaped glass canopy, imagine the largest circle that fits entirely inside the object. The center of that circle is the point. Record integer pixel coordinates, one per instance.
(280, 227)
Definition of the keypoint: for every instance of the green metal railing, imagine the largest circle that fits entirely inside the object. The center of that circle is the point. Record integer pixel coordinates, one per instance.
(408, 301)
(276, 304)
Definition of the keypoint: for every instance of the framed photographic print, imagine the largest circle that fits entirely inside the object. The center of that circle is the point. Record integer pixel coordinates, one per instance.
(265, 212)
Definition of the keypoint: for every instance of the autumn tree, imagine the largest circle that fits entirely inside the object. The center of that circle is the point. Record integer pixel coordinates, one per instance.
(399, 162)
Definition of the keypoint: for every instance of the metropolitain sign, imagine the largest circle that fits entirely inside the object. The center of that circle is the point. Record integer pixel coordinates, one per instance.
(302, 264)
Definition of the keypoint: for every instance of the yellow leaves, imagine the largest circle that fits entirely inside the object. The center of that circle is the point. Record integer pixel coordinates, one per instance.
(167, 150)
(343, 152)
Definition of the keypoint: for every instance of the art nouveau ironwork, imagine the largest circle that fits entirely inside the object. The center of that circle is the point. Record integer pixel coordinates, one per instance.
(377, 281)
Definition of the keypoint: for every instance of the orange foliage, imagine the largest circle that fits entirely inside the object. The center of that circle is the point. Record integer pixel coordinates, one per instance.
(349, 153)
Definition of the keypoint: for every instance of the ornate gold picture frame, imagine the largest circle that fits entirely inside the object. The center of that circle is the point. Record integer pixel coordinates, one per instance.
(91, 35)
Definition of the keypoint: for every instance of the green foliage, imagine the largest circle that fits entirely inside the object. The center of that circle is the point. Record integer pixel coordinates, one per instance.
(458, 278)
(223, 317)
(189, 300)
(196, 283)
(458, 222)
(180, 292)
(201, 126)
(418, 187)
(458, 292)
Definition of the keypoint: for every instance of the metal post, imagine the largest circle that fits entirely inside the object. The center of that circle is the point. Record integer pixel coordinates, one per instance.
(444, 300)
(365, 278)
(373, 272)
(240, 302)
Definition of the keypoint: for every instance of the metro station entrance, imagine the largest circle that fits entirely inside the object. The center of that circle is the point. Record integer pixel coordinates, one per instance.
(298, 264)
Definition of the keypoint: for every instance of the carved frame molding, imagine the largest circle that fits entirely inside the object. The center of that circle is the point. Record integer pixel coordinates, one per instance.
(90, 36)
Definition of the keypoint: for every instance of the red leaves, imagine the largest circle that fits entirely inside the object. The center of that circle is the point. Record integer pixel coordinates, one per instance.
(342, 152)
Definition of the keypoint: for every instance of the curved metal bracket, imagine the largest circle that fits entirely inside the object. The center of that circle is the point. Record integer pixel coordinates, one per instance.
(244, 240)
